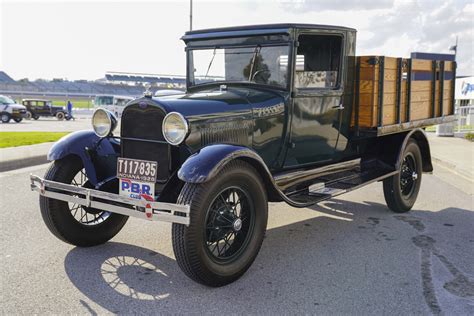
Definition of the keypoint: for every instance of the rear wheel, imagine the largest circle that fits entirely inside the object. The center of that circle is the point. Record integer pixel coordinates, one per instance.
(60, 116)
(18, 120)
(228, 222)
(75, 224)
(29, 115)
(6, 117)
(401, 190)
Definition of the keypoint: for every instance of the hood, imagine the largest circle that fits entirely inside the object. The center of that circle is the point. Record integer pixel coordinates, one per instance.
(15, 106)
(232, 101)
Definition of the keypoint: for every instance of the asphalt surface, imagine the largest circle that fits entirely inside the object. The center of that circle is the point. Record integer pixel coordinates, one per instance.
(350, 255)
(50, 124)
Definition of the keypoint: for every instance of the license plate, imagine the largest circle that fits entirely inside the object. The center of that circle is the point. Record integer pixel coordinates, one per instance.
(135, 169)
(137, 178)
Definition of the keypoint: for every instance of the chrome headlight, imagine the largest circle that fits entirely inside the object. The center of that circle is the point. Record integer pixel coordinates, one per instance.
(175, 128)
(103, 122)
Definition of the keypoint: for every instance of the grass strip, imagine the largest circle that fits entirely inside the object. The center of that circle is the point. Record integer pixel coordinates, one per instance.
(15, 139)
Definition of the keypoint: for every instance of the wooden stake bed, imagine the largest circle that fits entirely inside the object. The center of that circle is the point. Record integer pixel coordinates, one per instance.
(393, 94)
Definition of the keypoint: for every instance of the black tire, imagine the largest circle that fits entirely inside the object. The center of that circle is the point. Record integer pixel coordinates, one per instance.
(36, 117)
(401, 190)
(60, 220)
(60, 116)
(6, 117)
(18, 120)
(29, 115)
(192, 244)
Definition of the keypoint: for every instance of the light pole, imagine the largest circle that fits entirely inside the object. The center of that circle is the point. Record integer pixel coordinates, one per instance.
(453, 48)
(190, 15)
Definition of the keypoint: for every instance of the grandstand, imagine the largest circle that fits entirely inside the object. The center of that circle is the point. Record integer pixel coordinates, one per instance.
(113, 83)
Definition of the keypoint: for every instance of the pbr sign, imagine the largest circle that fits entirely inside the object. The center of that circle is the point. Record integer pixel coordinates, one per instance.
(137, 189)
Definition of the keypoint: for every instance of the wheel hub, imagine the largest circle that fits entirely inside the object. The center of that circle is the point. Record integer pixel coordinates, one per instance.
(237, 225)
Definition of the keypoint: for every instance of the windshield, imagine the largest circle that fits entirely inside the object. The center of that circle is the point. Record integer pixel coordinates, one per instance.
(263, 65)
(6, 100)
(104, 100)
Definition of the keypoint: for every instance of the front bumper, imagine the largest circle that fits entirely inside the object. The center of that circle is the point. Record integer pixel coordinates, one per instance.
(154, 211)
(17, 115)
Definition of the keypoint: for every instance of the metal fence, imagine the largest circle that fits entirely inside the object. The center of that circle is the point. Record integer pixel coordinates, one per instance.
(465, 121)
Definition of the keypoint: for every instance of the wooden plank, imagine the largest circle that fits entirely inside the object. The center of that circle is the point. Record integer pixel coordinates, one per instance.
(390, 75)
(420, 85)
(367, 73)
(390, 63)
(420, 110)
(368, 86)
(368, 99)
(448, 66)
(421, 65)
(389, 114)
(418, 96)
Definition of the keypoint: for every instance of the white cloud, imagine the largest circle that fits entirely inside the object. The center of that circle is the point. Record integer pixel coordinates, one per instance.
(85, 39)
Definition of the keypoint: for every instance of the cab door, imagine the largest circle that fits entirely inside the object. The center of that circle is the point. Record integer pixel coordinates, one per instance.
(317, 99)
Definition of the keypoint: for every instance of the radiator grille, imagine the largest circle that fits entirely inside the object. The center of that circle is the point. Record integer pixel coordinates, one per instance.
(145, 124)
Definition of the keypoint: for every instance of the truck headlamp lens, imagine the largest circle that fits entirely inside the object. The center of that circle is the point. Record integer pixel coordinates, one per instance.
(175, 128)
(103, 122)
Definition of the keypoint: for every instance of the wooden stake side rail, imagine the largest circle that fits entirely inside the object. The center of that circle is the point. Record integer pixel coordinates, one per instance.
(393, 91)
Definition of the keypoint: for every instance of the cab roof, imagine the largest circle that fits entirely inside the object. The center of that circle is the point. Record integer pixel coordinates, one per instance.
(260, 29)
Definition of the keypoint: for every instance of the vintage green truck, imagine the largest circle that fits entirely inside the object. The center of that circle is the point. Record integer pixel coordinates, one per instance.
(282, 112)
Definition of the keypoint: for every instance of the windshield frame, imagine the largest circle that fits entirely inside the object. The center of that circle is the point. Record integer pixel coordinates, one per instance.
(190, 66)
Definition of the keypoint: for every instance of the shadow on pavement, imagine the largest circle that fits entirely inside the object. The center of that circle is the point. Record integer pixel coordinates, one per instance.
(339, 262)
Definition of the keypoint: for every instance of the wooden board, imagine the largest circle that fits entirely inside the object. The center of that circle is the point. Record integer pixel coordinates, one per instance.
(421, 105)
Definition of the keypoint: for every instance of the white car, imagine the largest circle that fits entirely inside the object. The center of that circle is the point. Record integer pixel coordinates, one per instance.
(9, 109)
(113, 103)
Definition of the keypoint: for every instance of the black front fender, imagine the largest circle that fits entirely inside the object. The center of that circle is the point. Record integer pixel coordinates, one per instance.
(206, 164)
(98, 155)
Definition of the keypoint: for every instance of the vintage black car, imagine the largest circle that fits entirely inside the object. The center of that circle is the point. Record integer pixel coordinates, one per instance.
(270, 113)
(37, 107)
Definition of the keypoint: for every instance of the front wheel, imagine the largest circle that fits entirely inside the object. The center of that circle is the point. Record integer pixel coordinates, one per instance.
(228, 223)
(401, 190)
(18, 120)
(75, 224)
(6, 117)
(60, 116)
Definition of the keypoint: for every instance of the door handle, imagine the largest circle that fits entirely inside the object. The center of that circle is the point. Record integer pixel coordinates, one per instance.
(339, 107)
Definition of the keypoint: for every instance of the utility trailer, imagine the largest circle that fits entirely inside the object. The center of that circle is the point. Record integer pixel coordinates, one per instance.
(288, 113)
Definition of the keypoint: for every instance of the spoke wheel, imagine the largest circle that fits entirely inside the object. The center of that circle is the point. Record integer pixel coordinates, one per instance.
(401, 190)
(228, 218)
(229, 223)
(75, 224)
(82, 214)
(408, 175)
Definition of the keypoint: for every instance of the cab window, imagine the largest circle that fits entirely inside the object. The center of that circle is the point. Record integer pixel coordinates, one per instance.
(318, 61)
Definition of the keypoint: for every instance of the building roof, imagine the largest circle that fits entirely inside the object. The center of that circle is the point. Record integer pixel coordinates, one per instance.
(246, 30)
(5, 78)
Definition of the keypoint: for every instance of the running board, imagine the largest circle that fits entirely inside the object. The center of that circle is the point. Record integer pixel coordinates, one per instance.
(329, 185)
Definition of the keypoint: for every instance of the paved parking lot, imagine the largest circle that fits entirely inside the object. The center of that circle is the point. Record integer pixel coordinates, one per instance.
(50, 124)
(346, 256)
